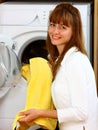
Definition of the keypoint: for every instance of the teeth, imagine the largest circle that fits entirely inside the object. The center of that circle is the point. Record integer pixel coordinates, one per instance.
(54, 37)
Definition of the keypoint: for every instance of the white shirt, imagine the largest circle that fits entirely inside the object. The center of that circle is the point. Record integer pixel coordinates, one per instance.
(74, 93)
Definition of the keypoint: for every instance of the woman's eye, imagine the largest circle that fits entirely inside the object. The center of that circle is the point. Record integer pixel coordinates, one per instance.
(52, 24)
(63, 27)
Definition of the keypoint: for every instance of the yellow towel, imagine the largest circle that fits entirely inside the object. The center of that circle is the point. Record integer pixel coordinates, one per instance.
(39, 92)
(25, 71)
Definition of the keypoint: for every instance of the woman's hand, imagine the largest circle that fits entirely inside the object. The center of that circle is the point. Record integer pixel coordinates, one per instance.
(32, 114)
(29, 115)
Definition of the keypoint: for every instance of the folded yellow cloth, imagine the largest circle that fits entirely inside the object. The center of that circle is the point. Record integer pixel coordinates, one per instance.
(38, 92)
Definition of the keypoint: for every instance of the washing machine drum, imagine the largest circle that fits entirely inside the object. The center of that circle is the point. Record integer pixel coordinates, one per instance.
(10, 68)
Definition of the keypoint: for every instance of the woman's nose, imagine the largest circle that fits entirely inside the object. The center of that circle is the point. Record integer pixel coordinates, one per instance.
(56, 29)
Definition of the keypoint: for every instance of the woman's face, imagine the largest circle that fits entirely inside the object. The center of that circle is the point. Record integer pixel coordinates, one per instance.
(59, 34)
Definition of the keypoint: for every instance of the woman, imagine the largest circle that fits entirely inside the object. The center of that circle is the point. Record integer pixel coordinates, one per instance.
(73, 88)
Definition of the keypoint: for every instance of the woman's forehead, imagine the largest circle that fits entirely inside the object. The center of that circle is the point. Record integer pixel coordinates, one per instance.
(65, 19)
(61, 21)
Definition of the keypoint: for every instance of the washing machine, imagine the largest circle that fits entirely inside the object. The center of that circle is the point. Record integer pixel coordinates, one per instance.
(23, 30)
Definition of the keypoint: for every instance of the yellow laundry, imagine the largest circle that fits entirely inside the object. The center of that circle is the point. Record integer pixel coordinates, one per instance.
(25, 71)
(38, 92)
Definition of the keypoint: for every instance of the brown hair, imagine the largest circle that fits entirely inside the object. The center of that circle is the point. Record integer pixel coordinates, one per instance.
(70, 16)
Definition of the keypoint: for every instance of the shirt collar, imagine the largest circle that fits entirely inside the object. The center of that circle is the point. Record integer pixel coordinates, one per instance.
(69, 52)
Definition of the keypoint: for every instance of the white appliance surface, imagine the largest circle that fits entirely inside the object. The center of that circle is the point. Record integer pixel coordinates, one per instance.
(11, 103)
(26, 22)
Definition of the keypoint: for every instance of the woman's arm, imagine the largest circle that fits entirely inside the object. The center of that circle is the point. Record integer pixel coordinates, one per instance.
(33, 114)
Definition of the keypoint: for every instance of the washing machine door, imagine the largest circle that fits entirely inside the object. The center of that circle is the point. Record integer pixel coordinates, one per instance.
(10, 68)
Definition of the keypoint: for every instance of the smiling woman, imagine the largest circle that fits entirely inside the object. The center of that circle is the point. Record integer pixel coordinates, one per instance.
(71, 74)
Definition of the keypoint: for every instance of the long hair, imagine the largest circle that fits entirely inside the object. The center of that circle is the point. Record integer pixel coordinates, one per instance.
(70, 16)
